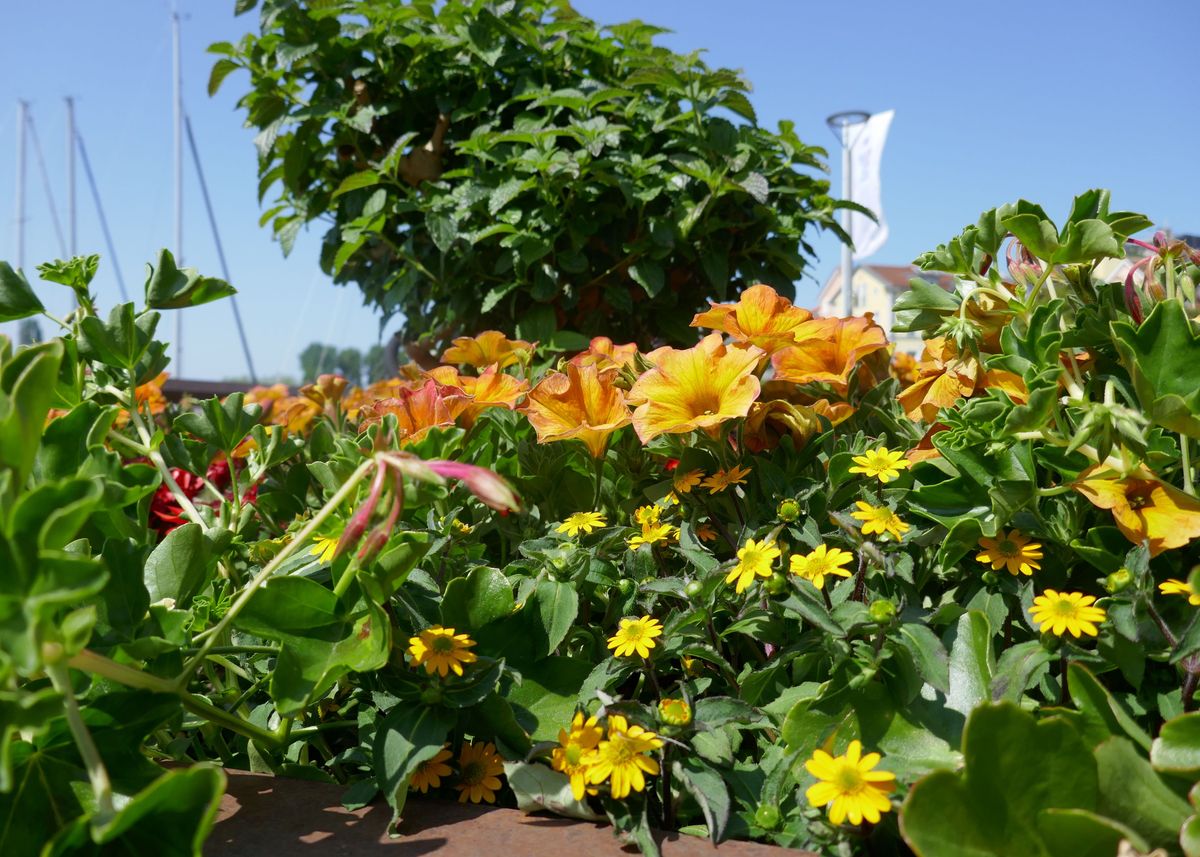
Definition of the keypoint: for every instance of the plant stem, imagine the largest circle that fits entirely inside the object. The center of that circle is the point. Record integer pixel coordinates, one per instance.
(60, 677)
(214, 633)
(1037, 287)
(667, 802)
(1064, 694)
(1185, 453)
(599, 482)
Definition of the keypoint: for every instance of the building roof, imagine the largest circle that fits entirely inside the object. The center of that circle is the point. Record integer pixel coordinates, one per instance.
(896, 277)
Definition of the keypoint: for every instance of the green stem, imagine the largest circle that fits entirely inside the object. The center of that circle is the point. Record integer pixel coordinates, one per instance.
(1185, 452)
(599, 481)
(214, 633)
(1037, 287)
(60, 677)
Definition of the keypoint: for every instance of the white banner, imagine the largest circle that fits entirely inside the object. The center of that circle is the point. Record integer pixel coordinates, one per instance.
(865, 155)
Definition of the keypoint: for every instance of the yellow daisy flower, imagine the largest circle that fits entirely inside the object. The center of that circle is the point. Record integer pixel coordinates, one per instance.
(440, 650)
(325, 548)
(722, 479)
(1061, 612)
(821, 562)
(849, 785)
(480, 767)
(685, 482)
(622, 757)
(581, 521)
(879, 519)
(647, 515)
(882, 464)
(653, 534)
(1180, 587)
(754, 560)
(1013, 551)
(576, 751)
(430, 772)
(635, 636)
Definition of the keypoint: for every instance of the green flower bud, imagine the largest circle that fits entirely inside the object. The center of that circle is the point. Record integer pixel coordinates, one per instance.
(776, 584)
(882, 611)
(789, 511)
(767, 816)
(1117, 581)
(693, 588)
(990, 578)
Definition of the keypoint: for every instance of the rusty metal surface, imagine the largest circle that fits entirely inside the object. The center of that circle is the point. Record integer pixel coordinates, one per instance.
(262, 816)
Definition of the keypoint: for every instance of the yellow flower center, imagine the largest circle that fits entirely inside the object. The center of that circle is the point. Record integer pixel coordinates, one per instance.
(634, 633)
(621, 751)
(1063, 607)
(574, 754)
(848, 778)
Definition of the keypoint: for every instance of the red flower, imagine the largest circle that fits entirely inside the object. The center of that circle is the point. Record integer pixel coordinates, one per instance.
(672, 463)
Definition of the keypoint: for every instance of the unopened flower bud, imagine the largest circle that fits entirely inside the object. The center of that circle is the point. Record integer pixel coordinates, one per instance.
(675, 712)
(883, 611)
(789, 511)
(1118, 581)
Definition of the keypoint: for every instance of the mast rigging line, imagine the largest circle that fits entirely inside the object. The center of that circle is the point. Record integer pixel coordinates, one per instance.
(41, 159)
(108, 242)
(212, 220)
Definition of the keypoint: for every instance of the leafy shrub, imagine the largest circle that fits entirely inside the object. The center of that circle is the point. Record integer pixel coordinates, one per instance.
(769, 586)
(515, 166)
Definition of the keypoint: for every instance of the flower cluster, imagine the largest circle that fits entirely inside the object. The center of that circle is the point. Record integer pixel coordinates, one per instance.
(619, 755)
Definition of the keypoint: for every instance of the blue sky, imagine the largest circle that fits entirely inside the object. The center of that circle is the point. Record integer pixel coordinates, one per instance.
(993, 102)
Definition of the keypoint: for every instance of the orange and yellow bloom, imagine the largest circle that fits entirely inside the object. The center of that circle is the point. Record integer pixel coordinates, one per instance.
(827, 350)
(694, 388)
(487, 348)
(578, 404)
(760, 317)
(440, 650)
(1144, 507)
(1012, 550)
(480, 767)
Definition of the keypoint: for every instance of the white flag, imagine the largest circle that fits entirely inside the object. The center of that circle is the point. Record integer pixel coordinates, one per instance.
(865, 155)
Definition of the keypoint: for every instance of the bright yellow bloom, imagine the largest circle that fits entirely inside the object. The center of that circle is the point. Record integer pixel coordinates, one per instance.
(430, 772)
(653, 534)
(440, 650)
(1144, 507)
(694, 388)
(881, 463)
(585, 521)
(1060, 612)
(647, 515)
(685, 482)
(675, 711)
(819, 564)
(480, 767)
(1180, 587)
(1013, 551)
(754, 560)
(635, 636)
(722, 479)
(622, 759)
(576, 751)
(760, 317)
(850, 785)
(487, 348)
(578, 404)
(879, 519)
(492, 389)
(325, 547)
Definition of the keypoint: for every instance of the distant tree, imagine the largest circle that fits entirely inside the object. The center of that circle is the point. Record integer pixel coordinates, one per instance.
(29, 332)
(350, 365)
(317, 359)
(376, 364)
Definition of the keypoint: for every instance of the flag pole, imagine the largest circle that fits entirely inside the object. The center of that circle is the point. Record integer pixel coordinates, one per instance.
(840, 124)
(177, 102)
(22, 122)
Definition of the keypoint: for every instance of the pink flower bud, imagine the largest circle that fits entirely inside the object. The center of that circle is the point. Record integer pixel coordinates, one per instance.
(485, 484)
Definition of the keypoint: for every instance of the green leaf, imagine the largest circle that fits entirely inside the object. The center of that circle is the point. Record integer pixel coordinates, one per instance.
(710, 792)
(20, 711)
(537, 787)
(481, 597)
(649, 275)
(170, 287)
(1176, 750)
(408, 736)
(971, 663)
(26, 393)
(1163, 359)
(1015, 769)
(17, 298)
(1102, 714)
(475, 686)
(179, 567)
(122, 341)
(928, 654)
(1079, 833)
(1017, 669)
(922, 307)
(355, 181)
(223, 424)
(1131, 791)
(171, 817)
(558, 605)
(547, 697)
(220, 70)
(716, 711)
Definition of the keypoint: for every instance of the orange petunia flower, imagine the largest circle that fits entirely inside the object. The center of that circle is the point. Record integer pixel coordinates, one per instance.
(695, 388)
(487, 348)
(1143, 506)
(947, 376)
(768, 422)
(149, 397)
(826, 351)
(492, 389)
(416, 411)
(760, 317)
(604, 354)
(578, 404)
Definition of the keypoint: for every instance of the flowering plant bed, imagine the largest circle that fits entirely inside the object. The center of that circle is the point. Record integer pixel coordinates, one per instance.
(781, 585)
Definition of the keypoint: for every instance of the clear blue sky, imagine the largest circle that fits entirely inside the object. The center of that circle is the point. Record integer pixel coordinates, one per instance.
(993, 102)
